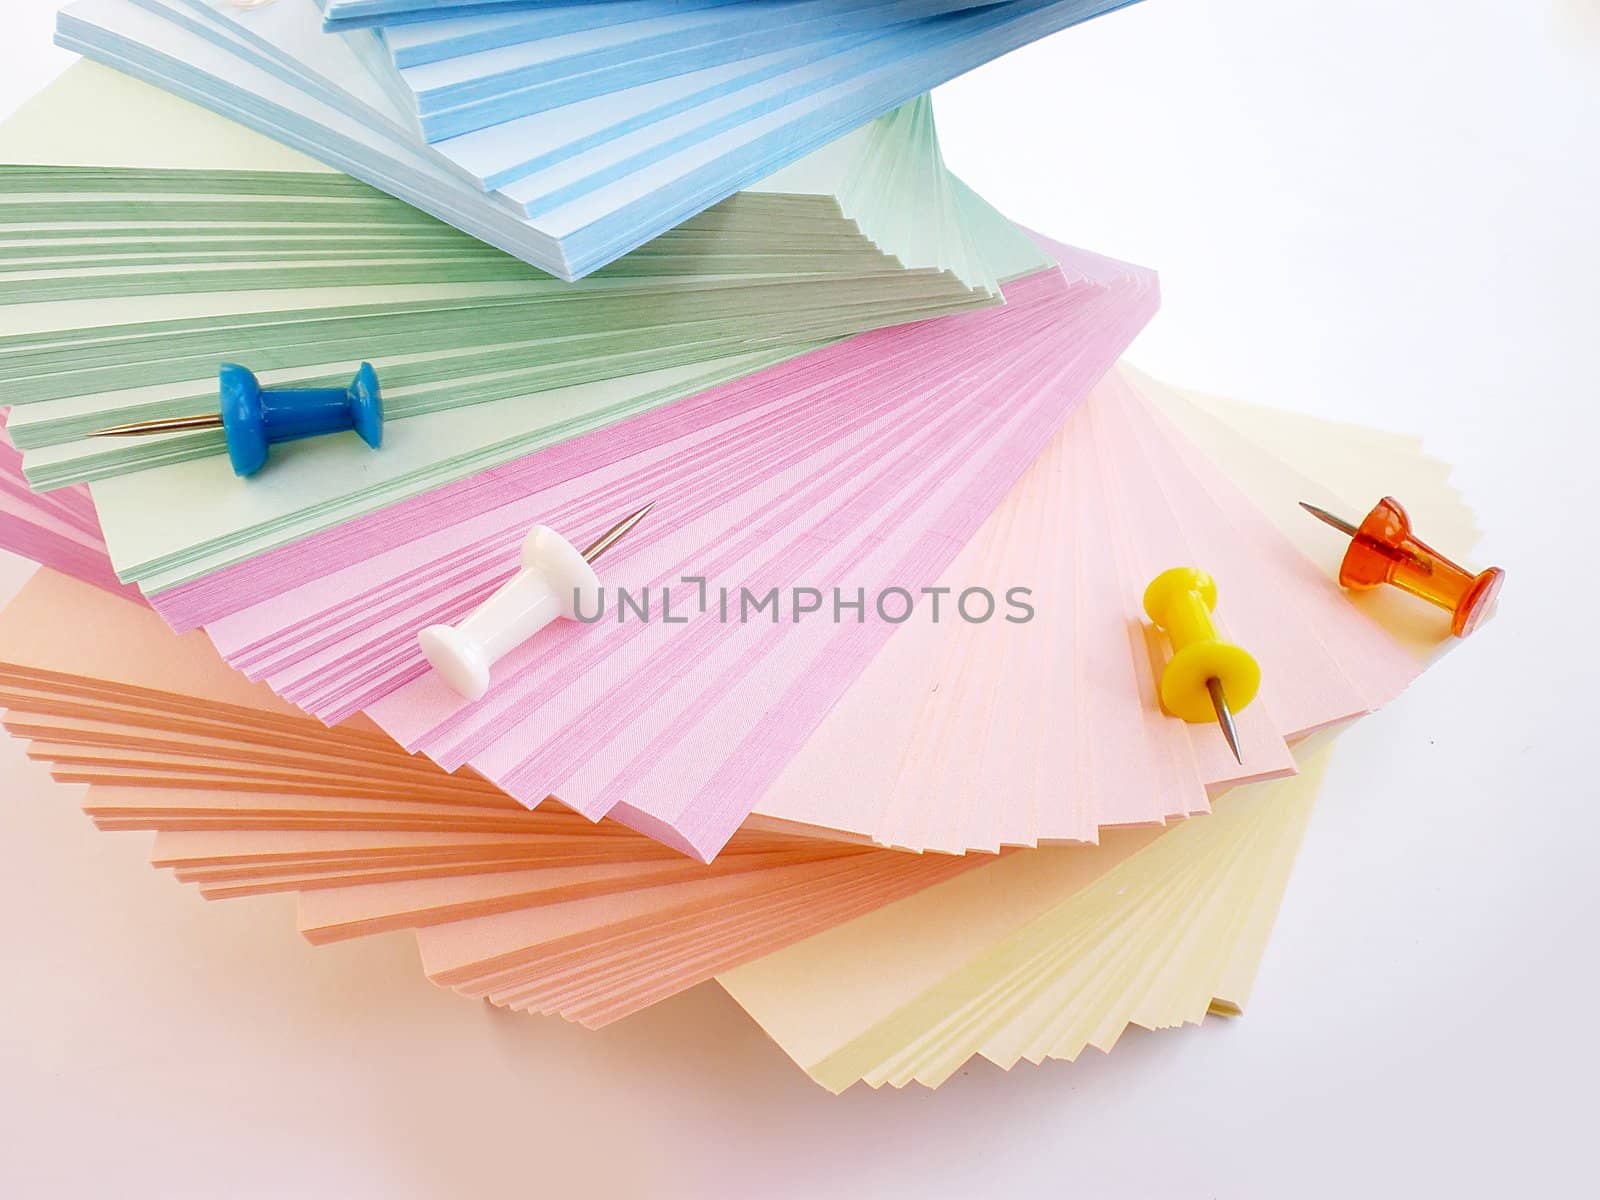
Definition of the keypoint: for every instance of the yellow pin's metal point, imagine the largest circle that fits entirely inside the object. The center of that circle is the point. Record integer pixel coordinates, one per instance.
(1206, 678)
(1219, 705)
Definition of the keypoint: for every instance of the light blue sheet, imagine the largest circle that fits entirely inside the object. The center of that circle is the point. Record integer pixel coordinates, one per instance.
(592, 150)
(357, 14)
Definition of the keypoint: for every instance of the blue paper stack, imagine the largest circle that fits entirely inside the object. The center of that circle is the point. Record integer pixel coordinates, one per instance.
(566, 134)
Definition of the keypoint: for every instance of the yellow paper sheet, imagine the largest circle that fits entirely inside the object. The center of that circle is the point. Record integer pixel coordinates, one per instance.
(1043, 954)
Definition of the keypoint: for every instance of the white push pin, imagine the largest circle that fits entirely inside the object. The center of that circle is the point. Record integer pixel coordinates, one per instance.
(555, 579)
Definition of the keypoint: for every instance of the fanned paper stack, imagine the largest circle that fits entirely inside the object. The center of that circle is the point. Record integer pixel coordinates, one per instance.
(867, 728)
(862, 962)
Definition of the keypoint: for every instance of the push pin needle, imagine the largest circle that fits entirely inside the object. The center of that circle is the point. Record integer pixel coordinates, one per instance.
(1219, 702)
(161, 425)
(1327, 518)
(615, 534)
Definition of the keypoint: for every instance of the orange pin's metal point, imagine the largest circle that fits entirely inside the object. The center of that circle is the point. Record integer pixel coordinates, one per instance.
(1383, 550)
(1206, 678)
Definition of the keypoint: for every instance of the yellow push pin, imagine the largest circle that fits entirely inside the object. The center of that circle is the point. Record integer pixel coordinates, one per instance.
(1205, 674)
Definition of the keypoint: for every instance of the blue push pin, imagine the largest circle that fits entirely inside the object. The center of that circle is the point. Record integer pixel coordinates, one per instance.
(254, 418)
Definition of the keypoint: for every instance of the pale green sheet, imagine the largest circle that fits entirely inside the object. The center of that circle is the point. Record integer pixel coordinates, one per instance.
(110, 313)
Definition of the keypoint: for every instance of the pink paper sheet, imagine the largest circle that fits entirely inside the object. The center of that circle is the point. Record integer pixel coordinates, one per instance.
(866, 464)
(977, 736)
(59, 527)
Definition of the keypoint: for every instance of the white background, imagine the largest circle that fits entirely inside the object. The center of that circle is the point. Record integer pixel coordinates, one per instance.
(1381, 210)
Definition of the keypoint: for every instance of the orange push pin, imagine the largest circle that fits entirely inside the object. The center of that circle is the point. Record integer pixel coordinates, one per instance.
(1204, 673)
(1382, 551)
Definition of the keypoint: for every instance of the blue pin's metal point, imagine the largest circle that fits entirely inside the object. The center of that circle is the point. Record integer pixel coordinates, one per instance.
(253, 418)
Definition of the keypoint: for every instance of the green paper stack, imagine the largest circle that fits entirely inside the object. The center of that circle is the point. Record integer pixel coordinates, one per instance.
(156, 241)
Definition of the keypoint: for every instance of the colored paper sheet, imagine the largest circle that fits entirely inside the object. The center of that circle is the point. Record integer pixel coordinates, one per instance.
(593, 141)
(512, 67)
(60, 528)
(1075, 945)
(136, 268)
(548, 16)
